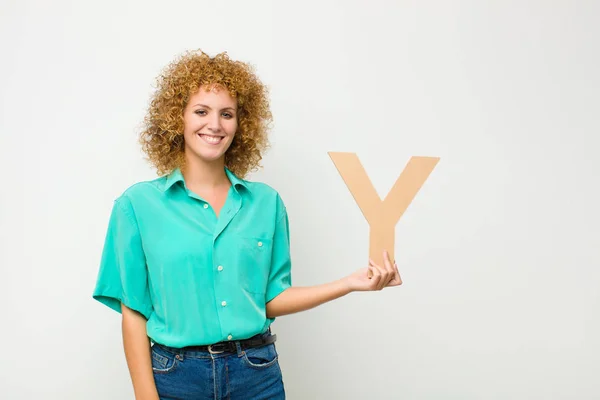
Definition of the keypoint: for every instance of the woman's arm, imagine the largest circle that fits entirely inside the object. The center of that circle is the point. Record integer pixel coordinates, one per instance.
(296, 299)
(137, 352)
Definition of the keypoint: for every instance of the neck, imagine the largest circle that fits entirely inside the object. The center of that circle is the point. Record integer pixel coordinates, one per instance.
(203, 175)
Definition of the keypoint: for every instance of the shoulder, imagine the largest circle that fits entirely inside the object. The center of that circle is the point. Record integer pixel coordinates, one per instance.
(262, 189)
(140, 191)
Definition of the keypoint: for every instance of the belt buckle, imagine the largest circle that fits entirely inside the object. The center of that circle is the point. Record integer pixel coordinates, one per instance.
(211, 351)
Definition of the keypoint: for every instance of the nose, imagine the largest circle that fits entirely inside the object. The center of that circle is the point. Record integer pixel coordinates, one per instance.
(214, 123)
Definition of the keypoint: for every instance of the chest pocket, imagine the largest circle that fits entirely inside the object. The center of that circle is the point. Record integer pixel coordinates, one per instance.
(254, 261)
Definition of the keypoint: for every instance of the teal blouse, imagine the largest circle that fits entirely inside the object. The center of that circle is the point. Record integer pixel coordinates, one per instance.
(197, 279)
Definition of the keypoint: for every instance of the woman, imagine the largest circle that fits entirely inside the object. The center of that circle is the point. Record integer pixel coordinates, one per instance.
(197, 261)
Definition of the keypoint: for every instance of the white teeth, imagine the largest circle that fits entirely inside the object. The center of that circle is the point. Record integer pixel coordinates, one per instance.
(211, 139)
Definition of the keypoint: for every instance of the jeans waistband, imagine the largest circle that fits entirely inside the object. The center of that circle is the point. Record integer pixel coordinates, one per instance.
(232, 346)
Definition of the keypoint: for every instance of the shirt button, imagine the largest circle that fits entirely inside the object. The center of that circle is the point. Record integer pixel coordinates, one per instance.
(206, 206)
(229, 337)
(223, 303)
(259, 244)
(220, 268)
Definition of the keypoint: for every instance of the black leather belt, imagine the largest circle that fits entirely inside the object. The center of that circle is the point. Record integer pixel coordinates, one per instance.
(230, 346)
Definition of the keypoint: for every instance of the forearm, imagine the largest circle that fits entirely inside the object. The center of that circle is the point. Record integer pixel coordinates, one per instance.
(296, 299)
(138, 355)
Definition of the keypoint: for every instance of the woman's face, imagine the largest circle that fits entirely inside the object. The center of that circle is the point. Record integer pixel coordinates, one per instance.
(210, 122)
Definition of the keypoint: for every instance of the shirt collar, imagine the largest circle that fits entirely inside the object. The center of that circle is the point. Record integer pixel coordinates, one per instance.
(176, 176)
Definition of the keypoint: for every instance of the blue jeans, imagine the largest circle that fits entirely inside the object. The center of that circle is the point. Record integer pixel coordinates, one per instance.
(249, 374)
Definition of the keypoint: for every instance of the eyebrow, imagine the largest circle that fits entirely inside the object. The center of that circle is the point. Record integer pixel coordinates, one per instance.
(205, 106)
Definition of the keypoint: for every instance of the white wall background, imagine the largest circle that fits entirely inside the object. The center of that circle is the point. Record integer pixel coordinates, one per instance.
(498, 251)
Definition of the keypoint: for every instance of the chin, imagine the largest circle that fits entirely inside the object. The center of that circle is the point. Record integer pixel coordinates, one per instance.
(205, 156)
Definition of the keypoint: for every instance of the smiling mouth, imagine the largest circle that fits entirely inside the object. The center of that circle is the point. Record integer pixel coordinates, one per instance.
(211, 139)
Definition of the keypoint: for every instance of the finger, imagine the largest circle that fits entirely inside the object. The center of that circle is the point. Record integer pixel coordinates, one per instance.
(398, 277)
(376, 279)
(397, 280)
(391, 273)
(370, 269)
(385, 275)
(383, 278)
(387, 272)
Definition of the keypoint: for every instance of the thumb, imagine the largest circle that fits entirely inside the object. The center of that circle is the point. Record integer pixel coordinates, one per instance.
(370, 271)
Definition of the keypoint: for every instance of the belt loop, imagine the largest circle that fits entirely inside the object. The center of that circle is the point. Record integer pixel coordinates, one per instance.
(238, 348)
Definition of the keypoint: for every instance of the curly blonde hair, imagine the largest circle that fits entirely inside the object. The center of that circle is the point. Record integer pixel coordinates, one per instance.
(162, 135)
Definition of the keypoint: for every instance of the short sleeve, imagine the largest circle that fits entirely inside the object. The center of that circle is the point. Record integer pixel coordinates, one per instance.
(280, 274)
(122, 276)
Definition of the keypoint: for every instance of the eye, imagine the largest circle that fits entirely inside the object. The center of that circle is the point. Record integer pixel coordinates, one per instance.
(227, 115)
(200, 112)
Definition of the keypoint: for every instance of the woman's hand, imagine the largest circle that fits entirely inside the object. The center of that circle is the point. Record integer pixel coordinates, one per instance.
(296, 299)
(375, 277)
